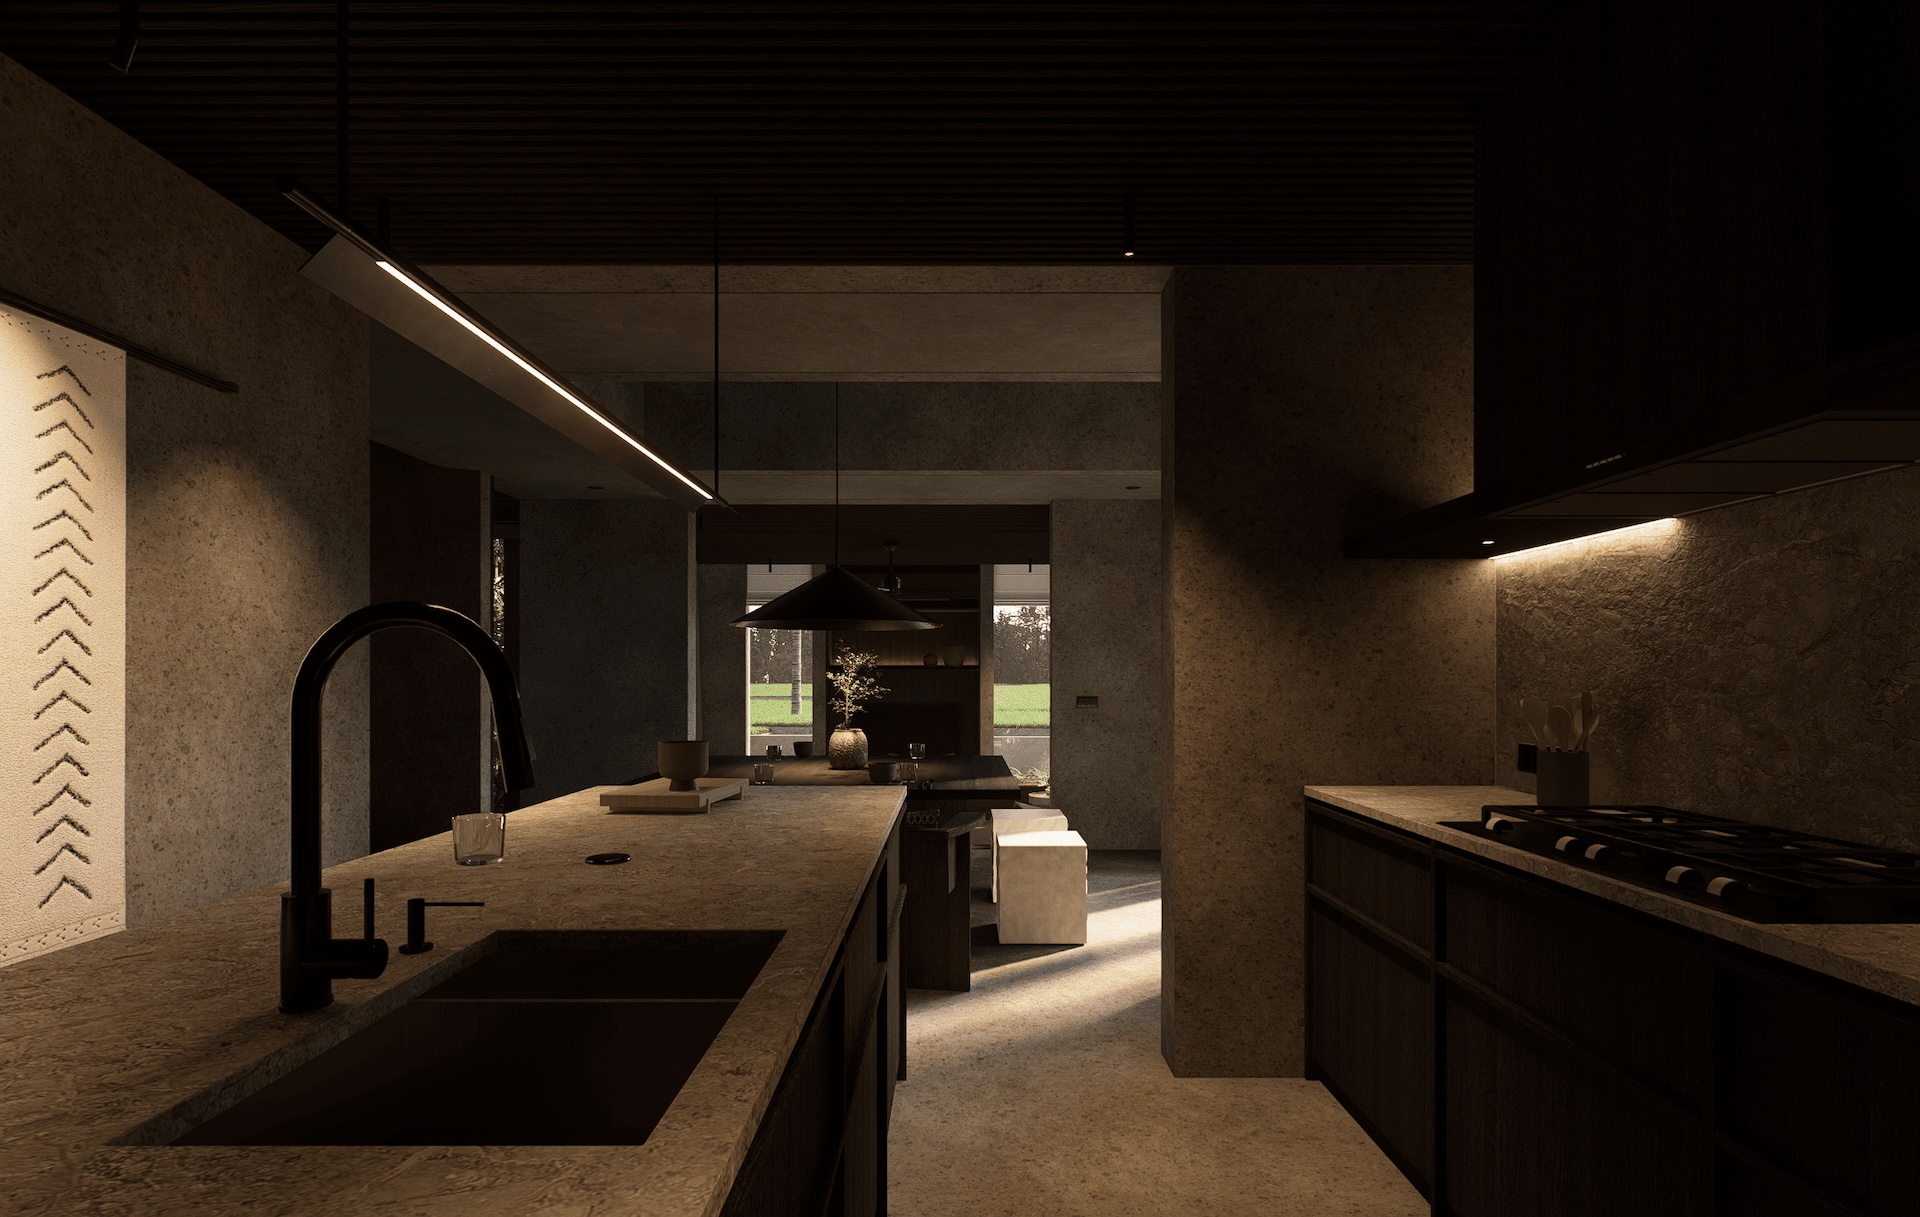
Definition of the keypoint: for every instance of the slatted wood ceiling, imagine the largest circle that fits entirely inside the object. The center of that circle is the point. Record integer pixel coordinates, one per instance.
(833, 133)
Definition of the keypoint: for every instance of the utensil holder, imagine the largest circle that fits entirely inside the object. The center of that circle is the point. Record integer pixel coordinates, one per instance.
(1561, 779)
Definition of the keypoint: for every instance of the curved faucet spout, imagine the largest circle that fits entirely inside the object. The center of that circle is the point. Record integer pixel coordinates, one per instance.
(310, 956)
(516, 759)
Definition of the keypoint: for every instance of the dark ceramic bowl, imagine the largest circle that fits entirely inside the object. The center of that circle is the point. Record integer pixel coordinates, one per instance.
(683, 762)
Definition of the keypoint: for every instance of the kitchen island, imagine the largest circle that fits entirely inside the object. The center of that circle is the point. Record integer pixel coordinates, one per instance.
(155, 1029)
(1528, 1037)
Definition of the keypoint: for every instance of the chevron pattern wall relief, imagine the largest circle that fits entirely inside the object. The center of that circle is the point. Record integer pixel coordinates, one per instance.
(63, 593)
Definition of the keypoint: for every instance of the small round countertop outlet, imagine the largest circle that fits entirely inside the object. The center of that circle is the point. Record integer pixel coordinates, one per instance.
(608, 859)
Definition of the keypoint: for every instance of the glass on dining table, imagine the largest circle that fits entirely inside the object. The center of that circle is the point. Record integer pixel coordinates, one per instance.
(917, 751)
(763, 773)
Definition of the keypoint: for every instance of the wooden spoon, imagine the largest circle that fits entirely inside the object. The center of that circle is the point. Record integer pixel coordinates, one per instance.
(1560, 722)
(1534, 712)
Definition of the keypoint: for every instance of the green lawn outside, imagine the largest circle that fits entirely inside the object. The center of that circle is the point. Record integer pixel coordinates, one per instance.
(1021, 706)
(1013, 706)
(773, 705)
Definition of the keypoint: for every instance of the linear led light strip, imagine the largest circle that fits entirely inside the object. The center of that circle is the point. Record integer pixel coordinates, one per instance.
(431, 297)
(1646, 528)
(426, 291)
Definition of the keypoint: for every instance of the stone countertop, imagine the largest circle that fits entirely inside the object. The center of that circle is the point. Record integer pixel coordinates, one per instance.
(176, 1019)
(1883, 958)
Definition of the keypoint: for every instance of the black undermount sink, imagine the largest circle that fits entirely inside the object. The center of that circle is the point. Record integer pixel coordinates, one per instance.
(549, 1038)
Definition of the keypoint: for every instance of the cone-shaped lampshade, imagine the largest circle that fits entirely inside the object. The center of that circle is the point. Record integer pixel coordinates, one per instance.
(835, 600)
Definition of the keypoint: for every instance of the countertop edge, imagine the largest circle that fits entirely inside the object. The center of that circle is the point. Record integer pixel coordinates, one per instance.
(84, 1157)
(1884, 959)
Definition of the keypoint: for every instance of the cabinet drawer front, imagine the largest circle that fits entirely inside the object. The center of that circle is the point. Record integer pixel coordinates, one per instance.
(1818, 1082)
(1633, 990)
(1534, 1131)
(1378, 873)
(1371, 1037)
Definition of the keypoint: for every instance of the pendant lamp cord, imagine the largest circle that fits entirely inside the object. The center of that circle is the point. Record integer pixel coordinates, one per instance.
(716, 345)
(341, 147)
(836, 473)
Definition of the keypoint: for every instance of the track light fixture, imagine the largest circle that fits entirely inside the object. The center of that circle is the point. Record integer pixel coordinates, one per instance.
(128, 40)
(892, 584)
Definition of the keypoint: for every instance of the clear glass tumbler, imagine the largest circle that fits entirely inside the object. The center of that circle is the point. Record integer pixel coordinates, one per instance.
(480, 838)
(917, 751)
(763, 773)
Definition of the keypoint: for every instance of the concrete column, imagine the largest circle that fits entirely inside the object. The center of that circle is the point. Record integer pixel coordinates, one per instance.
(1302, 403)
(1107, 760)
(604, 637)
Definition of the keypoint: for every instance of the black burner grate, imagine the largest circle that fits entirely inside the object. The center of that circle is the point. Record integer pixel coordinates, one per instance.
(1749, 870)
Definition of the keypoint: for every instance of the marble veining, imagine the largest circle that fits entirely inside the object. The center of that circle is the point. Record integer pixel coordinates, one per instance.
(115, 1044)
(1883, 958)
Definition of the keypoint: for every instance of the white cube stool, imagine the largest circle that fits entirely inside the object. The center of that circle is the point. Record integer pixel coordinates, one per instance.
(1043, 888)
(1009, 820)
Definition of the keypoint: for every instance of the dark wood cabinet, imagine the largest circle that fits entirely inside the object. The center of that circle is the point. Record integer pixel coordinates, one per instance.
(1819, 1082)
(1685, 215)
(1693, 245)
(1370, 1002)
(821, 1149)
(1521, 1049)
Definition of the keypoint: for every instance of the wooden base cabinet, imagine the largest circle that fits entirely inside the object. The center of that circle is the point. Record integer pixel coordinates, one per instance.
(821, 1150)
(1520, 1049)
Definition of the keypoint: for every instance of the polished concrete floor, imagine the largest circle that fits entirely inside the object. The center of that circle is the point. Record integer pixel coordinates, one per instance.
(1042, 1091)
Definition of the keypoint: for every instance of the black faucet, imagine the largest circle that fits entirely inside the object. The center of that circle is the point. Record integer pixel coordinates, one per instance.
(310, 956)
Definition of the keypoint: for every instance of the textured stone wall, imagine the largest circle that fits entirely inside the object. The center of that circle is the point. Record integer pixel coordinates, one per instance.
(1305, 402)
(246, 512)
(1761, 661)
(921, 425)
(1106, 591)
(603, 641)
(723, 659)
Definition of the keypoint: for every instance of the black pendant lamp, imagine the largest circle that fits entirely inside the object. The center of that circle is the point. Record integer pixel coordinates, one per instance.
(836, 599)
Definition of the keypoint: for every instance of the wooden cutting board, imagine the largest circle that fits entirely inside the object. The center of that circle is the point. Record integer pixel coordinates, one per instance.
(655, 796)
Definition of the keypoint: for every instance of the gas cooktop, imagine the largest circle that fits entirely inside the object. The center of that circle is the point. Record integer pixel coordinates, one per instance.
(1749, 870)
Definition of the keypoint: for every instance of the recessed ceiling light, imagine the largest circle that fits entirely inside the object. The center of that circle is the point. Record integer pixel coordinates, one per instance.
(1486, 542)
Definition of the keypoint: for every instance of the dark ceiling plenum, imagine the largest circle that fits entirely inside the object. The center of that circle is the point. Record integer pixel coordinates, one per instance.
(838, 133)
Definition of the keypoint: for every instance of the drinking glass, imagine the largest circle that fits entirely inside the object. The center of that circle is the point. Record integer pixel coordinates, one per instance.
(917, 751)
(763, 773)
(910, 772)
(480, 838)
(773, 750)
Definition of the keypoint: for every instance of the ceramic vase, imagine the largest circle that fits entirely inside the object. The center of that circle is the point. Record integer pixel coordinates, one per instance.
(847, 748)
(954, 653)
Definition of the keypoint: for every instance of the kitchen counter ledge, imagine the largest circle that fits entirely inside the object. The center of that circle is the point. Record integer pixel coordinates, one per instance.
(1882, 958)
(178, 1016)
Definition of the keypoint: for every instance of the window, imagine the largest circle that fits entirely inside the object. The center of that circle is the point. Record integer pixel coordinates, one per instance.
(1022, 631)
(779, 667)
